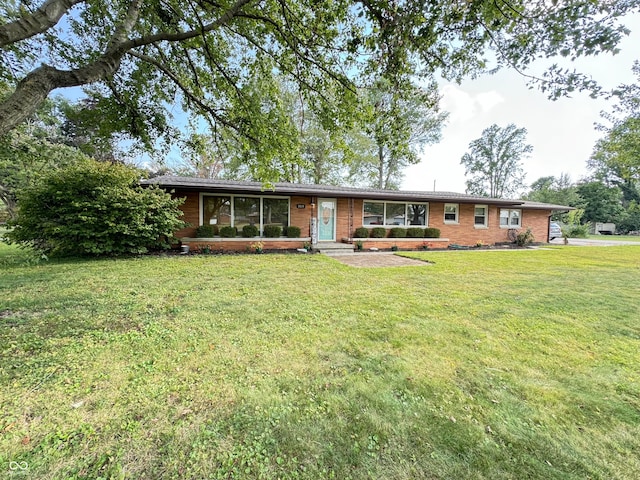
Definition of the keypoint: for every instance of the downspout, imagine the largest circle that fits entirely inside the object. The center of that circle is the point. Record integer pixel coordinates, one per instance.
(313, 223)
(350, 220)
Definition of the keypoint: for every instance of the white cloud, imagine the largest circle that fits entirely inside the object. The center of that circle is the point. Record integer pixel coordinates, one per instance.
(562, 132)
(463, 106)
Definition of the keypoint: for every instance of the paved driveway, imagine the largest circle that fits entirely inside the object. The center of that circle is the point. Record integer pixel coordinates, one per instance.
(588, 242)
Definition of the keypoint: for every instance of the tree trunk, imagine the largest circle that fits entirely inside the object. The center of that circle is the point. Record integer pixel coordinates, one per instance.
(380, 167)
(9, 202)
(39, 21)
(38, 84)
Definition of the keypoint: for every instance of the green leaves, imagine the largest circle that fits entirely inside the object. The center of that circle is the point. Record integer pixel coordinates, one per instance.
(399, 119)
(493, 164)
(144, 58)
(93, 208)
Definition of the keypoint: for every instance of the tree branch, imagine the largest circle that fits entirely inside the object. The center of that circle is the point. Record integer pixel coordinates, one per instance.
(179, 37)
(190, 95)
(37, 85)
(39, 21)
(295, 49)
(125, 27)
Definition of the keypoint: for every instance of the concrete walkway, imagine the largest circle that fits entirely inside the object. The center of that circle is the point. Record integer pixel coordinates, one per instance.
(377, 259)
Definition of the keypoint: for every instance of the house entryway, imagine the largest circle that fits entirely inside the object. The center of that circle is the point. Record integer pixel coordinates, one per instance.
(326, 220)
(333, 248)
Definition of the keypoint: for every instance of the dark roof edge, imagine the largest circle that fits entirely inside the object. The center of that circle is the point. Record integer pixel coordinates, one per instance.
(229, 186)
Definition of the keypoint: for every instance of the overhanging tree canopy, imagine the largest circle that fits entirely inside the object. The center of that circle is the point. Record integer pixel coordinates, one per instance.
(139, 58)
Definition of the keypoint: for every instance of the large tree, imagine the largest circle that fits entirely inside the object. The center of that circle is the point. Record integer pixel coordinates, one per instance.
(399, 119)
(616, 156)
(493, 164)
(138, 59)
(556, 190)
(601, 203)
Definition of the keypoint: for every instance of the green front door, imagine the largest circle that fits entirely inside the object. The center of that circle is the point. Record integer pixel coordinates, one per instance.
(327, 219)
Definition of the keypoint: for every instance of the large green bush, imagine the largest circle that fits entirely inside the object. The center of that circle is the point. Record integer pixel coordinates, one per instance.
(415, 232)
(92, 208)
(228, 231)
(525, 238)
(250, 231)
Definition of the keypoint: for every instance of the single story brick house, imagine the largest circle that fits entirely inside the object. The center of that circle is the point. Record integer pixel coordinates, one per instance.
(329, 214)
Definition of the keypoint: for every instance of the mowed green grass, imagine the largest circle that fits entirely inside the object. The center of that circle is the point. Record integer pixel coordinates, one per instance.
(620, 238)
(483, 365)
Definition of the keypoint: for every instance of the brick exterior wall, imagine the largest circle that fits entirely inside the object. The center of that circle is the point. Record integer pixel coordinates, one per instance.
(465, 232)
(301, 217)
(349, 217)
(403, 243)
(191, 210)
(243, 245)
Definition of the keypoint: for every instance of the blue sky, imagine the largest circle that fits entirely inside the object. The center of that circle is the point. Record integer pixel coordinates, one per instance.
(562, 132)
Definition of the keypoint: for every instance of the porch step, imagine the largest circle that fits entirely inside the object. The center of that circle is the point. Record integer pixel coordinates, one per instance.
(330, 248)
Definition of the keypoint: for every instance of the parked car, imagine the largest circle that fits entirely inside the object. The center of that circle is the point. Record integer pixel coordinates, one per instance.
(554, 231)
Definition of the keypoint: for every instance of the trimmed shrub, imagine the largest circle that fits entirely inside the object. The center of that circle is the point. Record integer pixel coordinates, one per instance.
(228, 231)
(524, 238)
(415, 232)
(272, 231)
(94, 208)
(431, 233)
(293, 232)
(206, 231)
(250, 231)
(378, 232)
(397, 232)
(362, 232)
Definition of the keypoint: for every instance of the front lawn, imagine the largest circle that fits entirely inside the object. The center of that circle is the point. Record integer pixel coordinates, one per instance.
(484, 365)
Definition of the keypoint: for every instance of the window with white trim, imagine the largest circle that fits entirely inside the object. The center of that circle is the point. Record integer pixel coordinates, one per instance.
(394, 213)
(417, 214)
(451, 212)
(510, 217)
(238, 211)
(246, 211)
(216, 211)
(481, 216)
